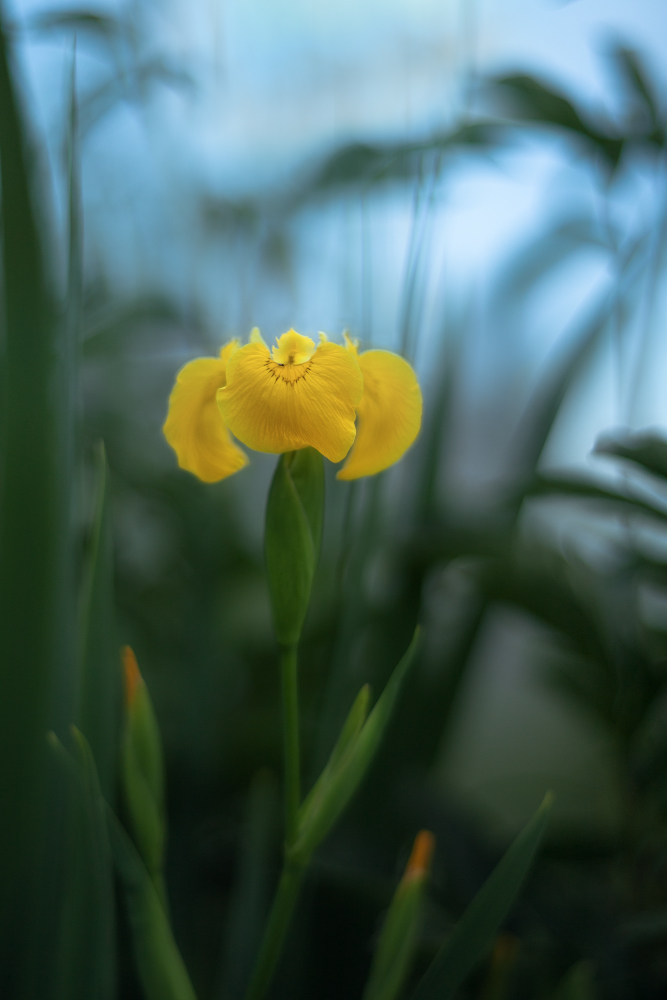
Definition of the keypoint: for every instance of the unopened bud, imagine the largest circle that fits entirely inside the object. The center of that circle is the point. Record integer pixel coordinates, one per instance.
(419, 862)
(132, 676)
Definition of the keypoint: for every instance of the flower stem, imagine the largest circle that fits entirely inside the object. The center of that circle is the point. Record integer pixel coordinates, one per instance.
(276, 929)
(293, 871)
(291, 742)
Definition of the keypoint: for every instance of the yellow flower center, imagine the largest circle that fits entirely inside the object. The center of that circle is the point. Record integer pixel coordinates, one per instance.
(292, 349)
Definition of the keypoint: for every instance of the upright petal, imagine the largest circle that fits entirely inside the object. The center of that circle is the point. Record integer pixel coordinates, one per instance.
(194, 427)
(283, 407)
(388, 416)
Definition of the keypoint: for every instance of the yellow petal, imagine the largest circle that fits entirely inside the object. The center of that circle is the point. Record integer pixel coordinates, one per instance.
(388, 416)
(293, 349)
(194, 427)
(277, 408)
(256, 336)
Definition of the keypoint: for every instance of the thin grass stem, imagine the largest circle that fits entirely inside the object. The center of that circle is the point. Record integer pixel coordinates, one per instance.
(292, 775)
(276, 929)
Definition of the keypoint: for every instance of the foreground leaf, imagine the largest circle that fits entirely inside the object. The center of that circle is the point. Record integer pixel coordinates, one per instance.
(395, 950)
(35, 543)
(161, 969)
(473, 936)
(349, 762)
(86, 953)
(99, 711)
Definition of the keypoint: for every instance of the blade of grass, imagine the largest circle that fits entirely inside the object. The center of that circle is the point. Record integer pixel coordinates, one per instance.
(475, 932)
(100, 694)
(161, 968)
(34, 531)
(251, 894)
(86, 966)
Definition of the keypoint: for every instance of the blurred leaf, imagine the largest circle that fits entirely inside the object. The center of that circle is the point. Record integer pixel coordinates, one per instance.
(142, 773)
(251, 892)
(643, 927)
(552, 247)
(578, 983)
(647, 449)
(321, 810)
(86, 955)
(396, 947)
(547, 398)
(35, 531)
(535, 101)
(361, 163)
(99, 712)
(633, 74)
(78, 21)
(473, 936)
(576, 485)
(130, 85)
(106, 327)
(162, 972)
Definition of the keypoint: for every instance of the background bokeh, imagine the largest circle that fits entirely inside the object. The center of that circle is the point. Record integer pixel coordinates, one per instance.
(483, 188)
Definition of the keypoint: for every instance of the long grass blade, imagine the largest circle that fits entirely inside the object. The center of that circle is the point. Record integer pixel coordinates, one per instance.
(34, 531)
(100, 693)
(475, 933)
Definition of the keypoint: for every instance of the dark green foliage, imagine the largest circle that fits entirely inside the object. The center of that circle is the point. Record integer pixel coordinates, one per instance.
(100, 686)
(473, 936)
(34, 521)
(86, 954)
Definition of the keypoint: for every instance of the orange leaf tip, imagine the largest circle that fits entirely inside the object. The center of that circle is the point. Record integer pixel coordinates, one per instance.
(422, 852)
(132, 675)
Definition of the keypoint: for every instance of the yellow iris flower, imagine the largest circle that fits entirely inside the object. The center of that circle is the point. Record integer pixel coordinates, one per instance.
(294, 396)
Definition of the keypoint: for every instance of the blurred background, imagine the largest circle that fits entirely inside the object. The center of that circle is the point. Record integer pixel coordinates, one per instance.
(482, 187)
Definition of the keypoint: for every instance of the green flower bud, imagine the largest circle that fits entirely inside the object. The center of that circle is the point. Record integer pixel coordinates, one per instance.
(142, 770)
(396, 946)
(294, 514)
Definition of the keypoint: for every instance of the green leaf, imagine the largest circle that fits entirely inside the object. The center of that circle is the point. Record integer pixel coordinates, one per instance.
(35, 534)
(294, 514)
(161, 969)
(142, 772)
(583, 487)
(348, 765)
(578, 983)
(550, 391)
(395, 950)
(86, 954)
(535, 101)
(348, 736)
(397, 945)
(251, 893)
(362, 164)
(639, 89)
(647, 449)
(99, 713)
(473, 936)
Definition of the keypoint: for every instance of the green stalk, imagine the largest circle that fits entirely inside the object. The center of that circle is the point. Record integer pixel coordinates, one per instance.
(276, 929)
(288, 663)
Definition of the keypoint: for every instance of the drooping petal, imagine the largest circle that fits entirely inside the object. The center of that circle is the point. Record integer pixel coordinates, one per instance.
(388, 416)
(194, 427)
(277, 408)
